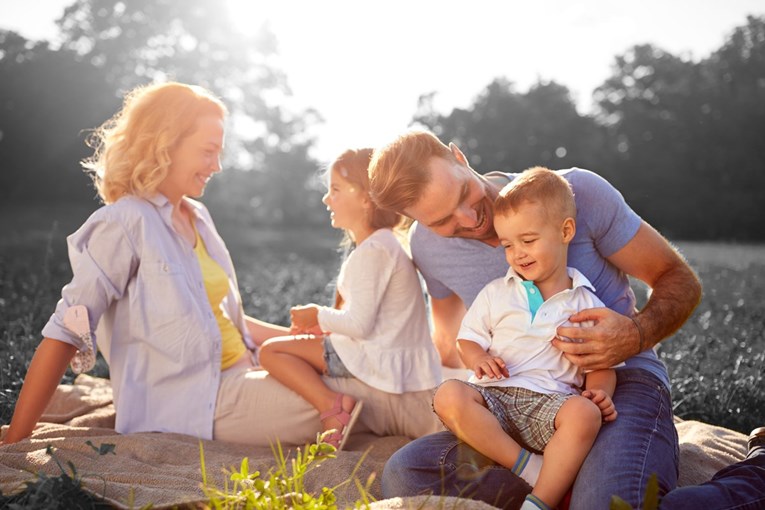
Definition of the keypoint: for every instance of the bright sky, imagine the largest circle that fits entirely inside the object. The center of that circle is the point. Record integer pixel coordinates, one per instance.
(363, 64)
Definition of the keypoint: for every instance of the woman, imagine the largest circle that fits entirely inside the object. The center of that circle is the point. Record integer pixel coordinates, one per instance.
(151, 271)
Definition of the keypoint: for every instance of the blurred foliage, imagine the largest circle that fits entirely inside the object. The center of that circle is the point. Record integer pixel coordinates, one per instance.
(48, 97)
(680, 139)
(669, 132)
(689, 133)
(508, 131)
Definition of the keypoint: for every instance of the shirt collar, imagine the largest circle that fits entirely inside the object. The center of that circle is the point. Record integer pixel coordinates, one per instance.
(577, 278)
(165, 208)
(159, 200)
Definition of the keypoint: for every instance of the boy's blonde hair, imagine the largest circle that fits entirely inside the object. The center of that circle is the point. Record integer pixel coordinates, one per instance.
(398, 172)
(541, 185)
(132, 148)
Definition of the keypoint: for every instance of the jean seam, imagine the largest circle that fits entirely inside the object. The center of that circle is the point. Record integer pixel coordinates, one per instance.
(663, 394)
(751, 505)
(445, 453)
(444, 463)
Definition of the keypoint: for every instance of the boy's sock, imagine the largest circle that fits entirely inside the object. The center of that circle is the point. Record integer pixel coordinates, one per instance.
(528, 466)
(534, 503)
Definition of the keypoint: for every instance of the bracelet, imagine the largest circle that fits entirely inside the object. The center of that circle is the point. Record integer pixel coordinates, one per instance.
(640, 332)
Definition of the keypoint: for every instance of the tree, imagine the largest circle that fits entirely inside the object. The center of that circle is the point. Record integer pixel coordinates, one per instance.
(144, 40)
(506, 130)
(690, 159)
(679, 138)
(737, 105)
(110, 46)
(47, 98)
(651, 106)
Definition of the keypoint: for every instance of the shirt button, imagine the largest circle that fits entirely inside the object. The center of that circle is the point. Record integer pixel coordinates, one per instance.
(532, 291)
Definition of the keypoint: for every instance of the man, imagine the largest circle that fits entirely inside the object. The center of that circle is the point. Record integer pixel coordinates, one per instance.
(456, 249)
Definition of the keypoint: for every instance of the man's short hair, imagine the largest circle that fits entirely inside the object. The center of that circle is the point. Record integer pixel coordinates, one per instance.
(398, 172)
(541, 185)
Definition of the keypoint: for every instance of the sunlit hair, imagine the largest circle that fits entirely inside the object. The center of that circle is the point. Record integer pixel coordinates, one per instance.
(352, 165)
(540, 185)
(132, 149)
(398, 172)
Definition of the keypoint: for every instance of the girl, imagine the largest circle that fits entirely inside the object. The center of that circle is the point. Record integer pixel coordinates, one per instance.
(377, 332)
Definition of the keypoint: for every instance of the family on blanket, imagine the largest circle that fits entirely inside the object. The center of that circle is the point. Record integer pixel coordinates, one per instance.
(527, 284)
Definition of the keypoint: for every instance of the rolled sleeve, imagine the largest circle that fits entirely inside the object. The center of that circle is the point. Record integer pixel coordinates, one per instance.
(103, 260)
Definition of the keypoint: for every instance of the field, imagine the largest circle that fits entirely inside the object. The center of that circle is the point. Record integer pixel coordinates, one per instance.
(716, 361)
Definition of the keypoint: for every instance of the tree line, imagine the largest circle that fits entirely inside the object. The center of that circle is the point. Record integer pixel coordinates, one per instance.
(50, 98)
(682, 139)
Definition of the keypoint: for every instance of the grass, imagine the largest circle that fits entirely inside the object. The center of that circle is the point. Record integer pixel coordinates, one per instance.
(282, 488)
(716, 361)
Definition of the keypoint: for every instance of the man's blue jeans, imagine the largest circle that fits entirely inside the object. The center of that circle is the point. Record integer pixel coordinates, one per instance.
(641, 441)
(740, 486)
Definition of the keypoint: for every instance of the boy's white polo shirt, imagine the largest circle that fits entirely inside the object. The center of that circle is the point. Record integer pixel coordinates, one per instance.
(501, 323)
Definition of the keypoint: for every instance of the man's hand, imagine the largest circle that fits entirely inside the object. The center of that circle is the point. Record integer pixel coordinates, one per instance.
(612, 339)
(601, 399)
(491, 366)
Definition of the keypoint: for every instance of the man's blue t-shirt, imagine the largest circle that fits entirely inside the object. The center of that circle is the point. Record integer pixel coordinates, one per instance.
(604, 225)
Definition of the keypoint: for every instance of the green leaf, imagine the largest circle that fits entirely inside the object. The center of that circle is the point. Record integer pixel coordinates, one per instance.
(618, 503)
(651, 497)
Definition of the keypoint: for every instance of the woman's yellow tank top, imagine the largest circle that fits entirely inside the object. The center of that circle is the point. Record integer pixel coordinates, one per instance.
(216, 285)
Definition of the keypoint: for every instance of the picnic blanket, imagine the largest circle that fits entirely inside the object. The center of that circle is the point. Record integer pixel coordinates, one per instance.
(164, 469)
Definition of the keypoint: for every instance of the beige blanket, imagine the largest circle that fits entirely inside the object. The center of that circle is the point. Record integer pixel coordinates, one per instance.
(164, 469)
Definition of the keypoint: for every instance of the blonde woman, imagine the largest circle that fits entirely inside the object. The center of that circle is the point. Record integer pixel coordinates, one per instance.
(152, 275)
